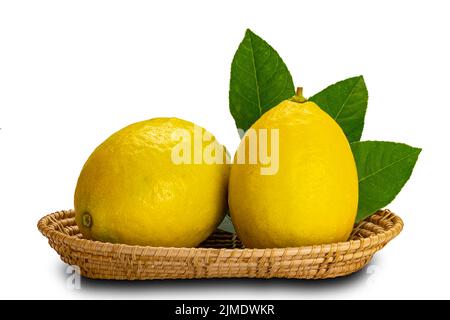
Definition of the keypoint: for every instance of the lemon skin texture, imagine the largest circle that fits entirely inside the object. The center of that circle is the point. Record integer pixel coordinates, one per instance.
(130, 191)
(312, 198)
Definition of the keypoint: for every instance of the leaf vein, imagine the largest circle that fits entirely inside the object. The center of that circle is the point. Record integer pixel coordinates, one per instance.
(256, 76)
(346, 100)
(386, 167)
(281, 91)
(245, 98)
(242, 68)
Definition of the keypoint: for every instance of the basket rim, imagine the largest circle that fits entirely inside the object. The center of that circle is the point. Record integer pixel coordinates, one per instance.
(46, 226)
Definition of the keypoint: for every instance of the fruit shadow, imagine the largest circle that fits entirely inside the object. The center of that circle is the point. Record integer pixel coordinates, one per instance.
(192, 288)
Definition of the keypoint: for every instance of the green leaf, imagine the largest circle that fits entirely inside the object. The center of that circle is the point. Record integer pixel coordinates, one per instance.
(259, 80)
(383, 169)
(227, 224)
(345, 102)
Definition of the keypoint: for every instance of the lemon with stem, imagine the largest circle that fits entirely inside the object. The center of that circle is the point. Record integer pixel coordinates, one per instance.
(313, 196)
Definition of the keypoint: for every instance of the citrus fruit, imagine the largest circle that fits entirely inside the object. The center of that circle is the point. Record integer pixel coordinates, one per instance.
(134, 188)
(312, 197)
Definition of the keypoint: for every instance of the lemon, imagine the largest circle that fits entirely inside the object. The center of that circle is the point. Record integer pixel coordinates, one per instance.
(133, 189)
(313, 196)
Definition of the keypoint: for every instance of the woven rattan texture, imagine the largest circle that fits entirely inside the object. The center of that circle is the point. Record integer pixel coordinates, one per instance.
(220, 256)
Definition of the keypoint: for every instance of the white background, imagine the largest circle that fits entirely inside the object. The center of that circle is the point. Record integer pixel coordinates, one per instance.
(73, 72)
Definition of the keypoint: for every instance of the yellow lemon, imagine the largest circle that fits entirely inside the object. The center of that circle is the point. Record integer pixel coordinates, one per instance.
(156, 183)
(310, 196)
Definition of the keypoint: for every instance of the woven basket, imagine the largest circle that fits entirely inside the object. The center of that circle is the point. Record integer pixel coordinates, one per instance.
(221, 256)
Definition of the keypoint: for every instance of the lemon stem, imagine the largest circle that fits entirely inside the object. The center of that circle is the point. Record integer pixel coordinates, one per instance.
(298, 96)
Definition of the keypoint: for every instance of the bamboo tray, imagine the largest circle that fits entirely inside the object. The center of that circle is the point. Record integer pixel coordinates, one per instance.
(220, 256)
